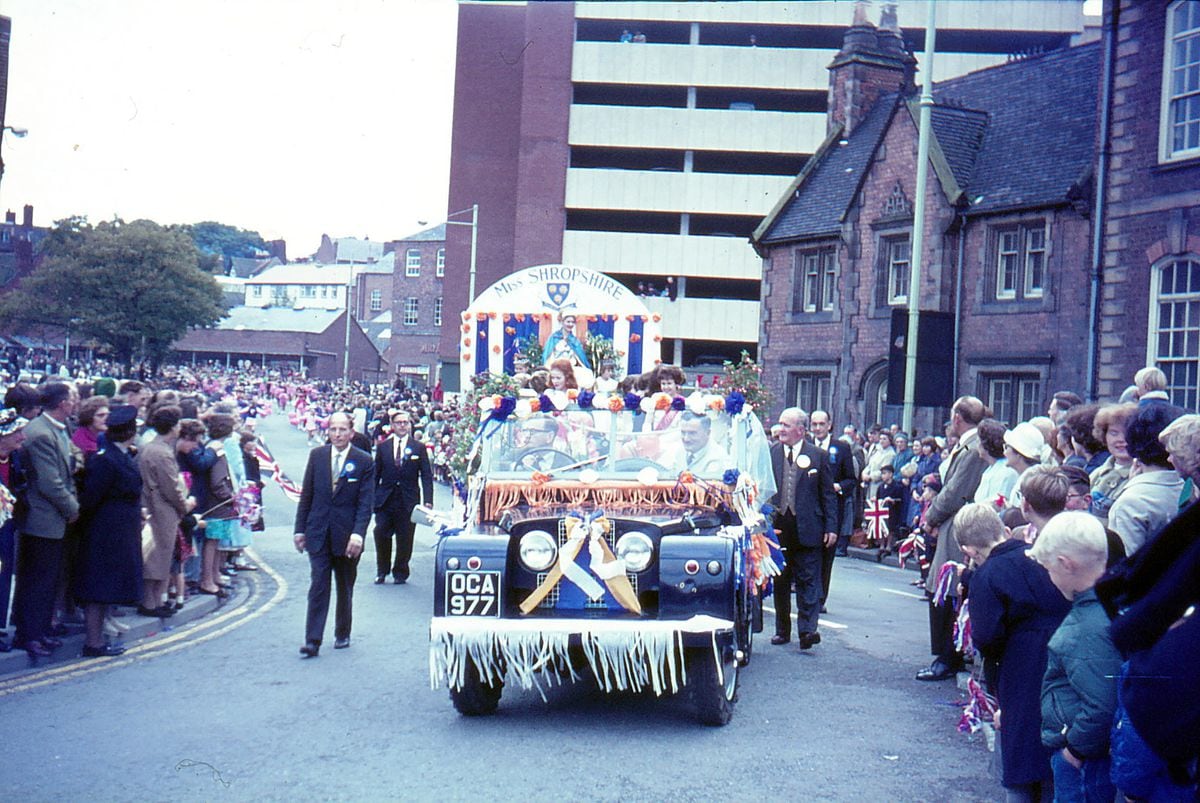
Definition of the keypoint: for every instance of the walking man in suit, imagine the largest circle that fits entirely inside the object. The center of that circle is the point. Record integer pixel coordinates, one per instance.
(52, 506)
(333, 514)
(806, 517)
(961, 473)
(403, 479)
(841, 462)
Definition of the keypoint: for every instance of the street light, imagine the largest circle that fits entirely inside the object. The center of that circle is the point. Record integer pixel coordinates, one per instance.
(17, 132)
(474, 224)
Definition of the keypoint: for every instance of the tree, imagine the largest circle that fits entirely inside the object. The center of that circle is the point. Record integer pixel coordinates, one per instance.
(132, 288)
(226, 241)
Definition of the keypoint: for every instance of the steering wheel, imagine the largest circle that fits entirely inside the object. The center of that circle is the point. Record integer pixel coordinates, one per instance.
(638, 463)
(526, 457)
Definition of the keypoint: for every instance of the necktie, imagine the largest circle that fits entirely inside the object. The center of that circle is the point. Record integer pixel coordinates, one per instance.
(787, 451)
(337, 468)
(400, 453)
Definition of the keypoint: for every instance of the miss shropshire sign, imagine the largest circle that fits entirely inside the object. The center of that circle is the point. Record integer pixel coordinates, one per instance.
(543, 300)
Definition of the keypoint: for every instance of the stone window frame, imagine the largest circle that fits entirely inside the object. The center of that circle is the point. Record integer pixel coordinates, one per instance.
(412, 262)
(887, 244)
(441, 263)
(411, 311)
(1166, 147)
(1027, 373)
(1023, 290)
(1180, 359)
(820, 394)
(821, 295)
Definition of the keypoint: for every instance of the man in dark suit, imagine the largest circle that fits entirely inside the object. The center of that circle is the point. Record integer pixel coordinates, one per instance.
(52, 505)
(806, 517)
(845, 480)
(960, 472)
(403, 478)
(333, 514)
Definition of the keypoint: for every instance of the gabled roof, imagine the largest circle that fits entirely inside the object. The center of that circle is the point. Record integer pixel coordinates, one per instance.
(305, 273)
(1041, 130)
(818, 199)
(352, 249)
(245, 267)
(1019, 135)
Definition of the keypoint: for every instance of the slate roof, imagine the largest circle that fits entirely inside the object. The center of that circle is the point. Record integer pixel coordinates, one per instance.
(278, 319)
(352, 249)
(959, 132)
(432, 234)
(827, 190)
(1041, 132)
(245, 267)
(1019, 135)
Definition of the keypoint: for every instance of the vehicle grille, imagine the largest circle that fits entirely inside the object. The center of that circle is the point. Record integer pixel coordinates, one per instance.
(551, 600)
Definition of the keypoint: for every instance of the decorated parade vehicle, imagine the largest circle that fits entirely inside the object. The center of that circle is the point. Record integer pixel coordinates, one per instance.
(610, 537)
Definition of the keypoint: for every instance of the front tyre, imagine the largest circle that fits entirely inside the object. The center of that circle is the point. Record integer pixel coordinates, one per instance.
(476, 698)
(713, 693)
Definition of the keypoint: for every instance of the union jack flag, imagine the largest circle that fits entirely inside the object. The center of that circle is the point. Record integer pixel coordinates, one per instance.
(877, 519)
(267, 463)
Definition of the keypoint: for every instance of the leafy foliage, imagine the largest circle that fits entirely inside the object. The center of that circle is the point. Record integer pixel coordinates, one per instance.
(132, 288)
(222, 240)
(745, 376)
(468, 426)
(530, 349)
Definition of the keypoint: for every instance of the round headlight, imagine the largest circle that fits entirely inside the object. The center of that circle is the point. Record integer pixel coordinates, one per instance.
(636, 549)
(538, 550)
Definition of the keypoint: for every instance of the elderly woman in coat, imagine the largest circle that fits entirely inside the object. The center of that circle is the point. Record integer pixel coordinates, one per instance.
(109, 570)
(164, 495)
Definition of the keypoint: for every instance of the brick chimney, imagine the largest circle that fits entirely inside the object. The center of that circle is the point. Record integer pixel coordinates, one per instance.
(872, 62)
(27, 220)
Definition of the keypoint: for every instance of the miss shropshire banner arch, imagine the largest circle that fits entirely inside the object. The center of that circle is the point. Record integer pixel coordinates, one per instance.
(530, 301)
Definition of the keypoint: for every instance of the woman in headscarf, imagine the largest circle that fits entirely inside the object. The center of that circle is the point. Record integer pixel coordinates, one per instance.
(109, 570)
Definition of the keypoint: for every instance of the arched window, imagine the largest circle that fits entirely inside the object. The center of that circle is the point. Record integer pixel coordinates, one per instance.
(1174, 341)
(875, 385)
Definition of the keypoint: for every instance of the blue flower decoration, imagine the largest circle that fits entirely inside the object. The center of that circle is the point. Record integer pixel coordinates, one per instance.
(507, 405)
(730, 477)
(584, 399)
(632, 402)
(768, 510)
(545, 405)
(734, 402)
(678, 403)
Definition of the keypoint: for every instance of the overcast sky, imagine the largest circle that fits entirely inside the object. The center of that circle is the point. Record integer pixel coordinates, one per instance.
(290, 117)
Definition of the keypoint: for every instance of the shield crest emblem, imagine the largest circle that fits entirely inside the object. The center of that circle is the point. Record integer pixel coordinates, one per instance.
(558, 292)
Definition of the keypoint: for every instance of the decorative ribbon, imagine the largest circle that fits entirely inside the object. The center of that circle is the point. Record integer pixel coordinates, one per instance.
(947, 579)
(590, 529)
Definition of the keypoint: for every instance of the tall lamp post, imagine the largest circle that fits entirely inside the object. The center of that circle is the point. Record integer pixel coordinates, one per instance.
(17, 132)
(474, 224)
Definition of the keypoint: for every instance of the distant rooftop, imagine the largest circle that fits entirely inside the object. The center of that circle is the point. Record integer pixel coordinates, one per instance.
(432, 234)
(278, 319)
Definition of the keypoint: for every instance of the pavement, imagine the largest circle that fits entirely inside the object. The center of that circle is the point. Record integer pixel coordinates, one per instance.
(142, 629)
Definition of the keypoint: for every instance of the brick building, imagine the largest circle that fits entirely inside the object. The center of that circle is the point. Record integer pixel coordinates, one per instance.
(1150, 276)
(416, 305)
(655, 160)
(314, 339)
(1004, 277)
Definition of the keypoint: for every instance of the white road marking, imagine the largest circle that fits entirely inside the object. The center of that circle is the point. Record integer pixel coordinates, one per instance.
(903, 593)
(824, 622)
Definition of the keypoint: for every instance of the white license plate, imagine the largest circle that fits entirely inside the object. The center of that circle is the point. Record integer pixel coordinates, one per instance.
(472, 593)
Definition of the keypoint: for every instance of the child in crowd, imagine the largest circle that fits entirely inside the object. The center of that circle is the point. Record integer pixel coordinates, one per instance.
(891, 491)
(921, 541)
(1014, 610)
(1079, 692)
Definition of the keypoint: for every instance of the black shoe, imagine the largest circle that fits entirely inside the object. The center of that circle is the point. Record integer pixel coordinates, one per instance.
(37, 649)
(51, 642)
(311, 649)
(807, 640)
(823, 609)
(937, 671)
(778, 639)
(5, 646)
(104, 651)
(400, 580)
(341, 643)
(380, 579)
